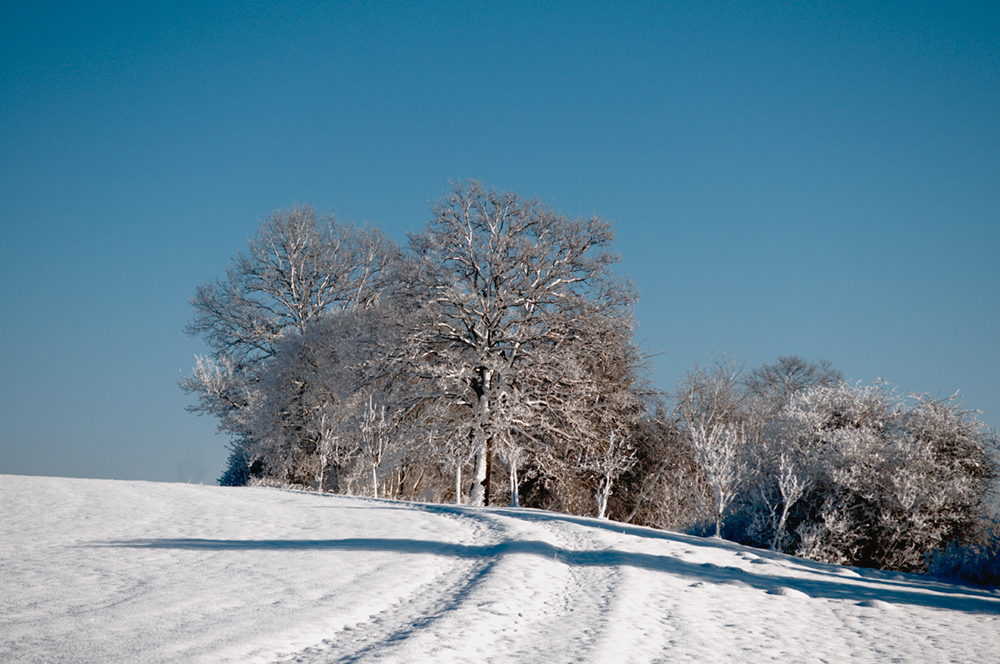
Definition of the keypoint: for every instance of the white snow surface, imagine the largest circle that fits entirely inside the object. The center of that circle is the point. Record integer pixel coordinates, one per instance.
(110, 571)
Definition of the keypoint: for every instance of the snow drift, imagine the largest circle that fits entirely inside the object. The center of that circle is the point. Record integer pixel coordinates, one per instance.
(100, 571)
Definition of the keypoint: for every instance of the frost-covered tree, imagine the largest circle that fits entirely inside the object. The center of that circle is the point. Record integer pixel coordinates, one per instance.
(607, 462)
(374, 438)
(603, 396)
(872, 479)
(720, 450)
(305, 410)
(297, 268)
(504, 279)
(715, 414)
(454, 451)
(792, 483)
(722, 411)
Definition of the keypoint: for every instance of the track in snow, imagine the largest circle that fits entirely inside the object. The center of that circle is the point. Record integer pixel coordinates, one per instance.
(505, 595)
(96, 571)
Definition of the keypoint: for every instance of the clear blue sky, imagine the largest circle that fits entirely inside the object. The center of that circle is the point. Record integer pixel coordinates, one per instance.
(809, 178)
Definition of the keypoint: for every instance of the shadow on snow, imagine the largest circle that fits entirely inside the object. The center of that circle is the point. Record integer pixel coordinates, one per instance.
(915, 591)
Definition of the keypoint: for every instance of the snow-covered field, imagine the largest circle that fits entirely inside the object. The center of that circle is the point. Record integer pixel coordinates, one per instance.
(106, 571)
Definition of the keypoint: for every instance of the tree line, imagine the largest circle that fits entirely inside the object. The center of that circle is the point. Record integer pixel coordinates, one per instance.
(493, 359)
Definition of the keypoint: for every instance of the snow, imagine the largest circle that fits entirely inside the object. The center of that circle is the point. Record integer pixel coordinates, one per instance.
(100, 570)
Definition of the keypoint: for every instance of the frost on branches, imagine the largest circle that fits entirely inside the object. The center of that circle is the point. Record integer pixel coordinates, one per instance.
(791, 458)
(514, 288)
(499, 335)
(859, 476)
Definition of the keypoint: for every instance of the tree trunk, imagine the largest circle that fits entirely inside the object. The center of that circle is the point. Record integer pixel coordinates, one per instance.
(478, 479)
(458, 484)
(489, 471)
(514, 498)
(485, 422)
(603, 494)
(779, 530)
(718, 510)
(374, 482)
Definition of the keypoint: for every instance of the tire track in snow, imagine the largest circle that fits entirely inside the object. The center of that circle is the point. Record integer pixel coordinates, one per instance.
(418, 612)
(553, 609)
(576, 610)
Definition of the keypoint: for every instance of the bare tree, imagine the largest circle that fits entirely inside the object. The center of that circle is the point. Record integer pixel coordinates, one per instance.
(505, 278)
(714, 412)
(374, 436)
(792, 485)
(775, 384)
(608, 462)
(665, 488)
(720, 449)
(296, 269)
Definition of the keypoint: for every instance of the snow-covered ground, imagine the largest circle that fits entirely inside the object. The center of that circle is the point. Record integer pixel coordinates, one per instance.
(105, 571)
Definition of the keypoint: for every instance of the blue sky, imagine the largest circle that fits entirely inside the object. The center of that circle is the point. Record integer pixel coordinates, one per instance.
(820, 179)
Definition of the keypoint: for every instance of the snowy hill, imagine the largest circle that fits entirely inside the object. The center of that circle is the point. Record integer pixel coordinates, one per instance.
(105, 571)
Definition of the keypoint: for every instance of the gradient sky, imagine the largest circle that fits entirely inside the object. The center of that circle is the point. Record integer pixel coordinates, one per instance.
(810, 178)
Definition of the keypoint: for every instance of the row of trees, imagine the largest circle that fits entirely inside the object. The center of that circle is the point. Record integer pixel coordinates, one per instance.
(493, 357)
